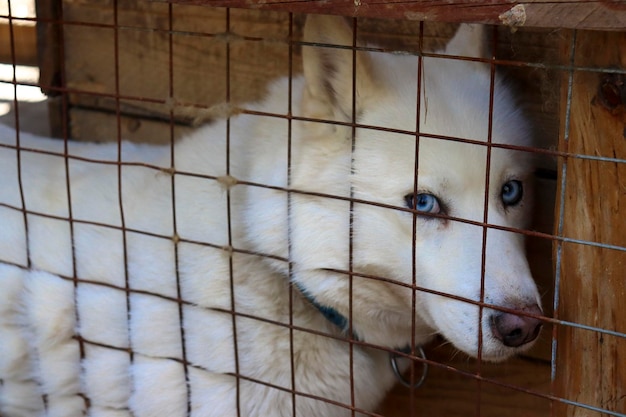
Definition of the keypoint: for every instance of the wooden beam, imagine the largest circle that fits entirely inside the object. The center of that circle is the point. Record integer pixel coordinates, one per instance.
(24, 40)
(49, 41)
(591, 365)
(575, 14)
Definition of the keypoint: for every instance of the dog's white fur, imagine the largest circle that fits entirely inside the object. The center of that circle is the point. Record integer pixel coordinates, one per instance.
(42, 309)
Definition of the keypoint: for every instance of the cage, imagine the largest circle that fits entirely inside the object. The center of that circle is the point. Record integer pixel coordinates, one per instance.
(154, 72)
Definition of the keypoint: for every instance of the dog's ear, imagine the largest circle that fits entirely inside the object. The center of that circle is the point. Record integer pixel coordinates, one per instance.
(329, 71)
(470, 40)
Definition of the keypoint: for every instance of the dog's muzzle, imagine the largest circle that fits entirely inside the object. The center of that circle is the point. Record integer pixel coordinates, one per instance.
(516, 330)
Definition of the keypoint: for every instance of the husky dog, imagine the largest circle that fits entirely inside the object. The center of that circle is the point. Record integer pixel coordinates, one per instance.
(179, 282)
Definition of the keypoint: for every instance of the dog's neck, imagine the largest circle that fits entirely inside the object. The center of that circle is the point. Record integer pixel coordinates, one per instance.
(329, 313)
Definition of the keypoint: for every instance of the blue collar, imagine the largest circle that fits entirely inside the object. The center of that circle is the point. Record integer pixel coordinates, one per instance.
(341, 322)
(329, 313)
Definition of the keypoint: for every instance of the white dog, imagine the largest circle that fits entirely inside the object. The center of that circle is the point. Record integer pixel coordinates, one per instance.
(173, 294)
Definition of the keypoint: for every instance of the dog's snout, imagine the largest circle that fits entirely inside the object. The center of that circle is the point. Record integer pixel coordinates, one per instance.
(515, 330)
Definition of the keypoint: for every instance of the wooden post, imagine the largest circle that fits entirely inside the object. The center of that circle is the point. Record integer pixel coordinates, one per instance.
(591, 365)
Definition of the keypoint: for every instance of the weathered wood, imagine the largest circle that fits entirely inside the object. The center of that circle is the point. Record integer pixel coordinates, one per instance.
(579, 14)
(591, 366)
(90, 125)
(155, 78)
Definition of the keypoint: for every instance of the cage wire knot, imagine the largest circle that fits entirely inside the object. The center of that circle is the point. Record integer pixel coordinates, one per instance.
(396, 369)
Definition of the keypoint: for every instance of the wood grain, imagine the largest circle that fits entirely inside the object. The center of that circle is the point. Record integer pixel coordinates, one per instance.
(590, 365)
(149, 76)
(578, 14)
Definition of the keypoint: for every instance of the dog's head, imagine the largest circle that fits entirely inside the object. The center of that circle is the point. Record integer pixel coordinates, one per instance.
(420, 204)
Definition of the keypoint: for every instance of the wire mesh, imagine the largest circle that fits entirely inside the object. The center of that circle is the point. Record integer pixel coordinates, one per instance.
(172, 238)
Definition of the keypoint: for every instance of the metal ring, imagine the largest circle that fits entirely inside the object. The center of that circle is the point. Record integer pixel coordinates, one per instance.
(396, 370)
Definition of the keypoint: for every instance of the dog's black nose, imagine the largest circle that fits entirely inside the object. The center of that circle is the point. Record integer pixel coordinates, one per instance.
(514, 330)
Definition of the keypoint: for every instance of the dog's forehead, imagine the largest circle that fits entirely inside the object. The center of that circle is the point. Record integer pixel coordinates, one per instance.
(450, 164)
(450, 142)
(388, 160)
(449, 105)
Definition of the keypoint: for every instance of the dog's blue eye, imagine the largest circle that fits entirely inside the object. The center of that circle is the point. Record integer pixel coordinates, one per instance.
(512, 192)
(425, 203)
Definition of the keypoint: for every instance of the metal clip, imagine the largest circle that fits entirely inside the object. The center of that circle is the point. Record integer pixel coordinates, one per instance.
(396, 369)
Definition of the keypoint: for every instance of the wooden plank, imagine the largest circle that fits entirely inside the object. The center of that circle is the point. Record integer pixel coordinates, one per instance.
(90, 125)
(18, 42)
(578, 14)
(591, 366)
(151, 77)
(24, 40)
(49, 41)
